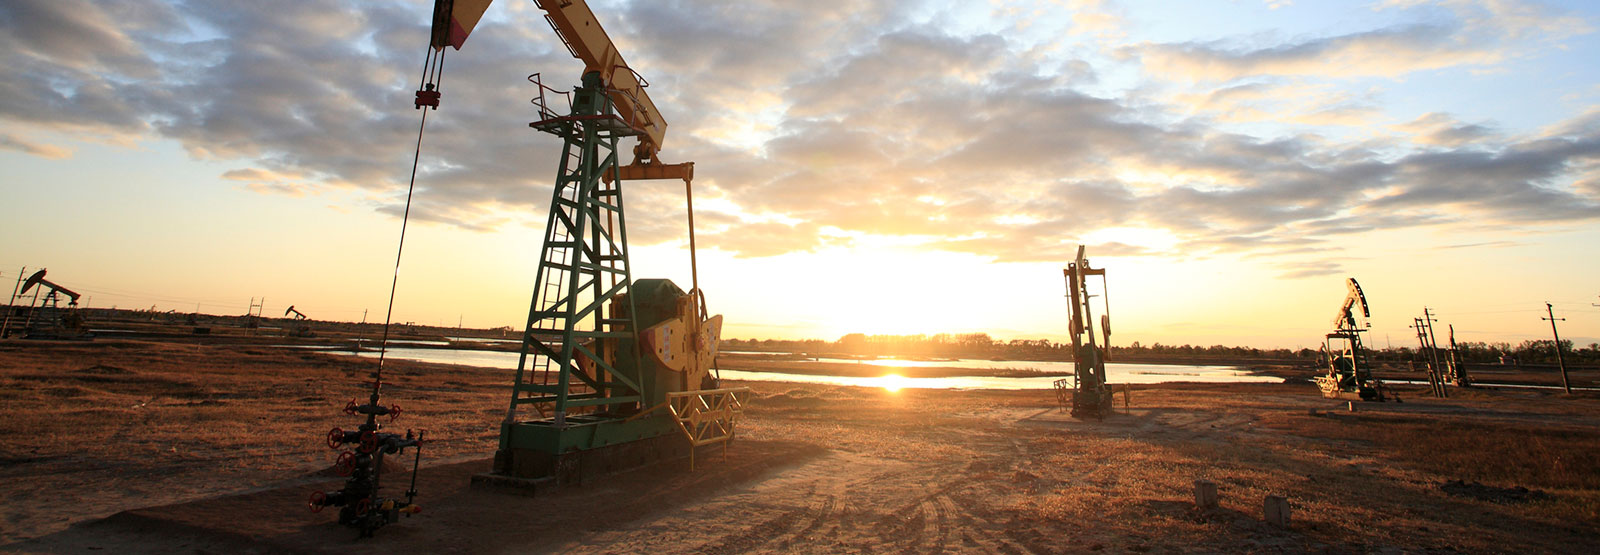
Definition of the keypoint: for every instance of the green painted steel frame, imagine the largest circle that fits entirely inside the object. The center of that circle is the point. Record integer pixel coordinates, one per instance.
(570, 299)
(582, 432)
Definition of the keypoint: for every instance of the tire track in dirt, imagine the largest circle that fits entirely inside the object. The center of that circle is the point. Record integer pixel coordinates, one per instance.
(937, 528)
(972, 514)
(753, 537)
(864, 501)
(797, 525)
(821, 517)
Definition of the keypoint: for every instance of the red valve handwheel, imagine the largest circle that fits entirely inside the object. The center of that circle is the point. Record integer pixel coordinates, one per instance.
(363, 505)
(350, 408)
(335, 438)
(345, 464)
(369, 441)
(317, 501)
(394, 412)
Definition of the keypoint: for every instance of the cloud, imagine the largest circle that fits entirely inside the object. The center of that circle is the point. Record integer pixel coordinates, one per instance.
(1441, 129)
(1097, 18)
(1485, 244)
(295, 190)
(1474, 34)
(271, 182)
(1518, 183)
(78, 35)
(1311, 269)
(1385, 52)
(767, 239)
(12, 142)
(811, 127)
(1283, 101)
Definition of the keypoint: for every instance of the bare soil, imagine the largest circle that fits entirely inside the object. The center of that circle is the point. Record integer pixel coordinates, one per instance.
(131, 446)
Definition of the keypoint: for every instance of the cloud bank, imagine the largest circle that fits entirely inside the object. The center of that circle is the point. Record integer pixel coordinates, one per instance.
(815, 126)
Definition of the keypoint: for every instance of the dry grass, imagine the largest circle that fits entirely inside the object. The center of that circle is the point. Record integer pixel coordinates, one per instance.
(113, 425)
(151, 422)
(1532, 455)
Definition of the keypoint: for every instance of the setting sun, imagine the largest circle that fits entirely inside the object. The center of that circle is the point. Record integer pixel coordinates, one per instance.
(893, 383)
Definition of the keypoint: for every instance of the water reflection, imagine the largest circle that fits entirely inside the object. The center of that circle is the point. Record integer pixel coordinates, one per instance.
(1116, 372)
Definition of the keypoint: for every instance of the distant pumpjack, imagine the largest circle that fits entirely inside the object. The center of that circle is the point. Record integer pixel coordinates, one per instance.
(55, 289)
(44, 317)
(1087, 394)
(297, 314)
(1348, 374)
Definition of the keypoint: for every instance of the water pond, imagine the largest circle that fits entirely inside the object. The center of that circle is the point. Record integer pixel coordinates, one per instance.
(1116, 372)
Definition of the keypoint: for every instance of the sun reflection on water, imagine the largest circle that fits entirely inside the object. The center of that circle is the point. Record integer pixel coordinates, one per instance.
(893, 383)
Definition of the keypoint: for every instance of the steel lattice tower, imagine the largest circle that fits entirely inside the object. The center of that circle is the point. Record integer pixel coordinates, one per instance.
(581, 311)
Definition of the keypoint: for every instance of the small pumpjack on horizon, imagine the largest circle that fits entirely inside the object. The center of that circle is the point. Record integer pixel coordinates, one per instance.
(1087, 395)
(1348, 374)
(360, 502)
(44, 319)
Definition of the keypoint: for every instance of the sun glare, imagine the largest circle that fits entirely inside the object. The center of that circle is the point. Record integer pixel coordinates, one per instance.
(893, 383)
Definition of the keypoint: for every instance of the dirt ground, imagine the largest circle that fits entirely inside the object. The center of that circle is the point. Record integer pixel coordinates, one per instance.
(127, 446)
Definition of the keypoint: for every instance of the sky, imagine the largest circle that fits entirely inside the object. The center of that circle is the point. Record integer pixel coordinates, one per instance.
(894, 167)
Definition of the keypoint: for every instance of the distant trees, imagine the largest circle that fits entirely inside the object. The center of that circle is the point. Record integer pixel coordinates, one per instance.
(981, 346)
(1527, 352)
(943, 345)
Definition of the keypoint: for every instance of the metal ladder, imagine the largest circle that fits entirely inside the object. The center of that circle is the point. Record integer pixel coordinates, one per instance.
(583, 269)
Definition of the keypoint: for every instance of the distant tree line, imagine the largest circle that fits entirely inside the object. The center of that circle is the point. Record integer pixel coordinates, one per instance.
(1527, 352)
(982, 346)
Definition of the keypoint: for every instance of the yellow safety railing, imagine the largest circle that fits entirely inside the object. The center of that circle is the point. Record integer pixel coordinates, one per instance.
(707, 416)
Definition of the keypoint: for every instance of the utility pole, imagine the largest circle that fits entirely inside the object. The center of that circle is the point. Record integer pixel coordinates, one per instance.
(1462, 380)
(1430, 352)
(364, 316)
(1433, 344)
(17, 287)
(1559, 361)
(1422, 346)
(5, 325)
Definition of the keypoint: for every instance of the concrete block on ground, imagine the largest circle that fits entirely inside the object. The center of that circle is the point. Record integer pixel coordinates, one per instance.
(1205, 494)
(1276, 511)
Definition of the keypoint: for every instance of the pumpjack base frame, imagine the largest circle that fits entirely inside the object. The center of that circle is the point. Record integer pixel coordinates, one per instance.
(1093, 403)
(584, 432)
(1085, 403)
(525, 471)
(1331, 389)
